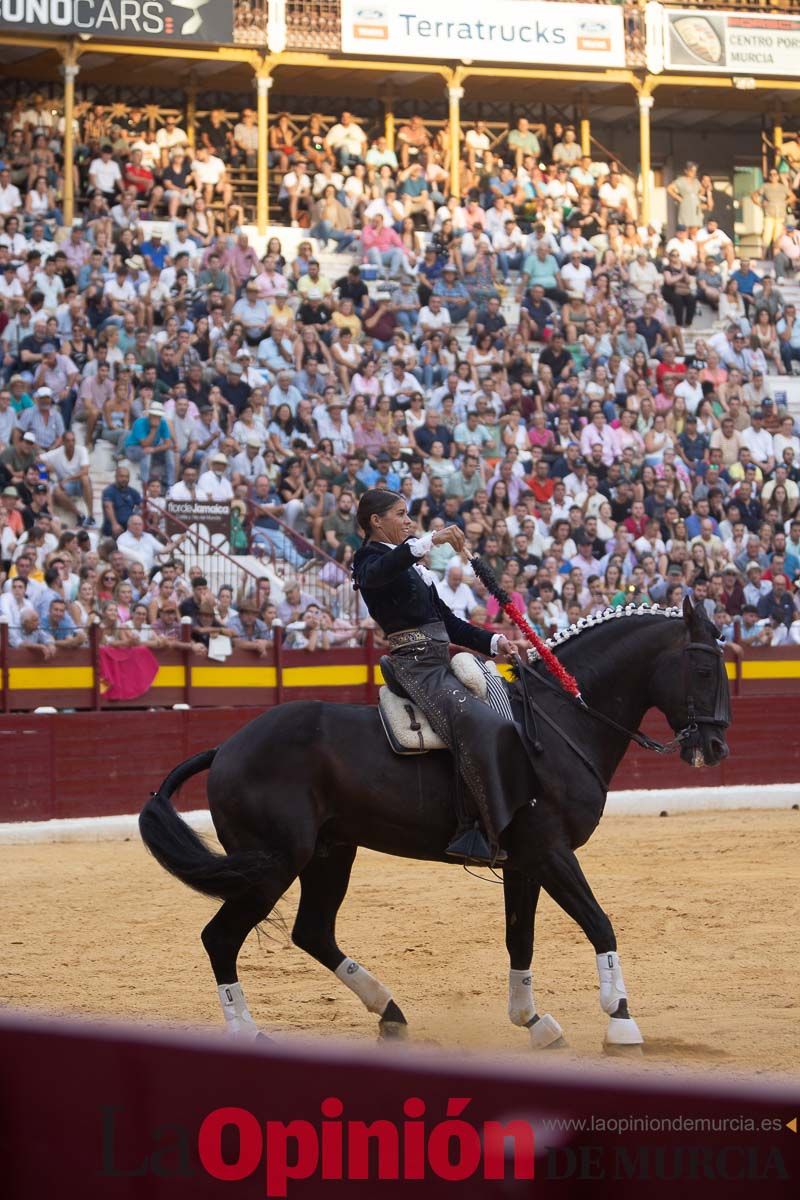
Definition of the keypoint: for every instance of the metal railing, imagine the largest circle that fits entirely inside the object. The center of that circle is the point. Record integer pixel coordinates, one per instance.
(339, 598)
(218, 566)
(224, 567)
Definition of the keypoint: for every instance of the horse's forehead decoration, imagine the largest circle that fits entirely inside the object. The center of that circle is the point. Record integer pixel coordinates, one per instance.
(611, 614)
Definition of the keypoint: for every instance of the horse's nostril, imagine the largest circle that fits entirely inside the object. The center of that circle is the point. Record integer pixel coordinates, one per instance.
(720, 748)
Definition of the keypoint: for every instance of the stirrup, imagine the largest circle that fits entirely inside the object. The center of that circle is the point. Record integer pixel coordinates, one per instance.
(471, 846)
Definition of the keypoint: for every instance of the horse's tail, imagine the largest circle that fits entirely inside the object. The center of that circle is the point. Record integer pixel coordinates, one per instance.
(179, 850)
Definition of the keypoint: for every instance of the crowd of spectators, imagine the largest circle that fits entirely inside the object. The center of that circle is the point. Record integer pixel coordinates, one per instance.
(518, 362)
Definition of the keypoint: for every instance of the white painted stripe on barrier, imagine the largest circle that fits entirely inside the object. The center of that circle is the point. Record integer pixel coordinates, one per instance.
(641, 803)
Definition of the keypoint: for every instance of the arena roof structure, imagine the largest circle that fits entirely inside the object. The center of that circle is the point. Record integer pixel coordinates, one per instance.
(681, 64)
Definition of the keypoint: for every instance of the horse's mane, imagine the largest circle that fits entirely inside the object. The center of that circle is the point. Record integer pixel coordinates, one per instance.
(610, 614)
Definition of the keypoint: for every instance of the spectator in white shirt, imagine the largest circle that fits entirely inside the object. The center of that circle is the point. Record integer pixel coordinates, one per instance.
(434, 317)
(10, 288)
(170, 136)
(573, 240)
(786, 437)
(455, 593)
(210, 176)
(10, 199)
(576, 276)
(713, 242)
(70, 464)
(138, 546)
(105, 175)
(347, 140)
(18, 245)
(685, 246)
(643, 278)
(759, 442)
(614, 196)
(398, 381)
(214, 482)
(691, 389)
(249, 463)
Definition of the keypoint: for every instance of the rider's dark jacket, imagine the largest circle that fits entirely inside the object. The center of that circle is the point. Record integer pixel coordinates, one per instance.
(399, 598)
(489, 755)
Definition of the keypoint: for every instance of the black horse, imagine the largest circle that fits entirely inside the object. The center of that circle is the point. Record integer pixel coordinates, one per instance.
(298, 789)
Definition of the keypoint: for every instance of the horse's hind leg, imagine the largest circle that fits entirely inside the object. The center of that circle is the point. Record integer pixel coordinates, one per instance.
(323, 887)
(223, 938)
(563, 880)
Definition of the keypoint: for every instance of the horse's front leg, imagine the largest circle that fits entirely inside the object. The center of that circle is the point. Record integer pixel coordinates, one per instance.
(521, 893)
(563, 880)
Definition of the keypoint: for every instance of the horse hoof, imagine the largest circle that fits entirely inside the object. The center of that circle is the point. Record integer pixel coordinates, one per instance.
(546, 1034)
(261, 1039)
(392, 1031)
(623, 1035)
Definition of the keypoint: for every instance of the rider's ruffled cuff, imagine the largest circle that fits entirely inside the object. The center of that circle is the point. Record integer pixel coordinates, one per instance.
(495, 639)
(420, 546)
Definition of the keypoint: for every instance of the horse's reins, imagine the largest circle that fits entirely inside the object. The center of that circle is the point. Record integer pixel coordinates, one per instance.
(558, 678)
(721, 714)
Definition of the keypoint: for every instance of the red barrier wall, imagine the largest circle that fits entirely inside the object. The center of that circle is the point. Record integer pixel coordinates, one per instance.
(93, 764)
(115, 1113)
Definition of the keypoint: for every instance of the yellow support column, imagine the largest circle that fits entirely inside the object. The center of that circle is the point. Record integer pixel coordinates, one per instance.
(586, 136)
(455, 95)
(70, 70)
(777, 136)
(388, 120)
(263, 83)
(191, 112)
(645, 104)
(585, 128)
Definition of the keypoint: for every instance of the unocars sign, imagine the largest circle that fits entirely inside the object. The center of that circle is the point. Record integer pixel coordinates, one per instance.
(518, 31)
(137, 20)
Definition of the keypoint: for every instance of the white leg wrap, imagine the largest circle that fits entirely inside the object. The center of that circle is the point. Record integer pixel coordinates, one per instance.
(521, 1004)
(370, 991)
(545, 1032)
(238, 1022)
(612, 985)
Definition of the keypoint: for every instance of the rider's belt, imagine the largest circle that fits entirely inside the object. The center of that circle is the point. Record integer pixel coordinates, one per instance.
(434, 631)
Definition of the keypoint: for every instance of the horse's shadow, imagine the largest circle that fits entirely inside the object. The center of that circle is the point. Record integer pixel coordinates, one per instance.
(670, 1047)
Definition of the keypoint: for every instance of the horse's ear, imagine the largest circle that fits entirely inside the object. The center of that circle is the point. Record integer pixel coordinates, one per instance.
(688, 612)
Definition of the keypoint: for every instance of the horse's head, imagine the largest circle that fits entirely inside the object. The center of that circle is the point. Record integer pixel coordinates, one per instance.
(691, 689)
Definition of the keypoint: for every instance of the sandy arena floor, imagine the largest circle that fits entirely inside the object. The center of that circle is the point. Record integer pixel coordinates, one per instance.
(704, 908)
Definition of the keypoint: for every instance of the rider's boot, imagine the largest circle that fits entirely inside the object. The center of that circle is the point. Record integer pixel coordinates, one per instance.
(471, 844)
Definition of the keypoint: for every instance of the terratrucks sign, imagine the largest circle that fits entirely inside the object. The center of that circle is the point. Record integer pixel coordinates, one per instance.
(504, 31)
(134, 20)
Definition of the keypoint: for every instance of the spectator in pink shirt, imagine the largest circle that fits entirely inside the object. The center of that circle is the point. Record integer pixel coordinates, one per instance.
(241, 260)
(381, 246)
(539, 434)
(598, 432)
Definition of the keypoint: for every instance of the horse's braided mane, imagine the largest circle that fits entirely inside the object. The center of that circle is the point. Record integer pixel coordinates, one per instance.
(610, 614)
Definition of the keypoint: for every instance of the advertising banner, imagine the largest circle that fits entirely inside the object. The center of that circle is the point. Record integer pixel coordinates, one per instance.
(731, 43)
(165, 21)
(506, 31)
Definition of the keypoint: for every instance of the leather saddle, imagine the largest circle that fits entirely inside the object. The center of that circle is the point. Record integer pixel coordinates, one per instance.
(408, 730)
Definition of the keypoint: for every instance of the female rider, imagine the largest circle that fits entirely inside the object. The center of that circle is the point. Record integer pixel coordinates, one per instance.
(401, 597)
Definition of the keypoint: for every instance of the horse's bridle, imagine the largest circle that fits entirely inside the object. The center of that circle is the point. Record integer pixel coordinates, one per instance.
(687, 735)
(722, 704)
